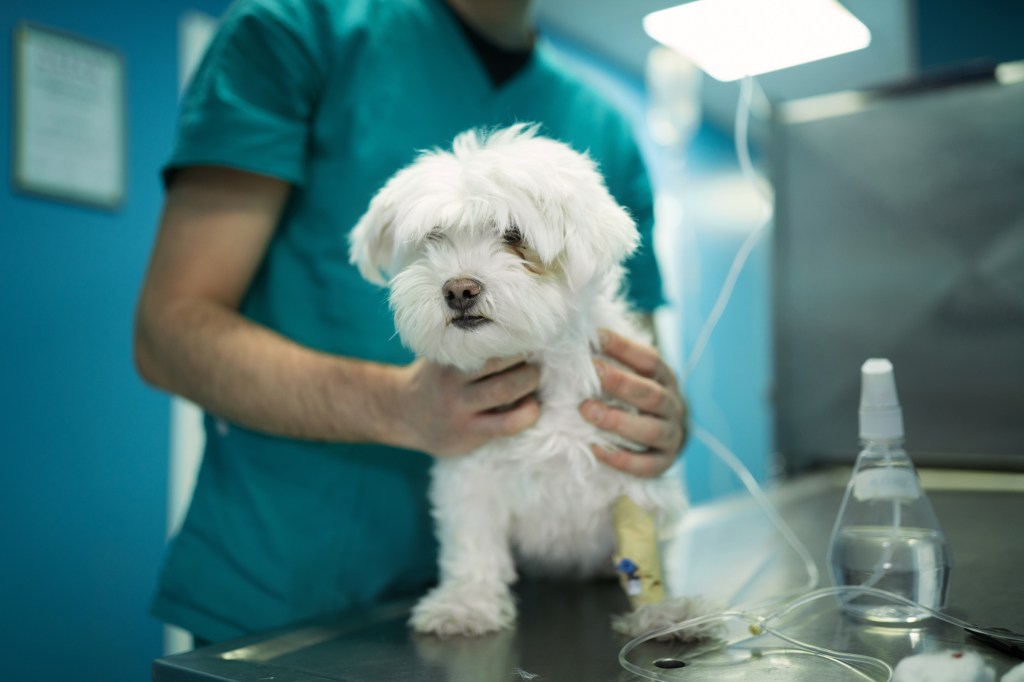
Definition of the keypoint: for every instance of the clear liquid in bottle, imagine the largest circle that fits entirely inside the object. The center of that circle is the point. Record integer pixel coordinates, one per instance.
(886, 534)
(910, 562)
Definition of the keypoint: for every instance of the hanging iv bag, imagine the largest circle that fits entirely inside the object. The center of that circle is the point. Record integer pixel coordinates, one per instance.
(886, 535)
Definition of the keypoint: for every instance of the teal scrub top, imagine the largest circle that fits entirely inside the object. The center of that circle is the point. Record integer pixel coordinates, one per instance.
(334, 96)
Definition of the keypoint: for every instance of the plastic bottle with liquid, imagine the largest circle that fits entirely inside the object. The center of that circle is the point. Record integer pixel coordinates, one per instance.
(886, 535)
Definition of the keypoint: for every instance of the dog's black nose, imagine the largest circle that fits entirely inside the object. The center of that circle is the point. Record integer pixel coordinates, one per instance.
(460, 293)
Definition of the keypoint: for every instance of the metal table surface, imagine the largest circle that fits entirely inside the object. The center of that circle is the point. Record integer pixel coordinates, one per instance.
(727, 550)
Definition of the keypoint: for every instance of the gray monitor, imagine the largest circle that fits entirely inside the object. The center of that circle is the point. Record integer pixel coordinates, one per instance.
(899, 233)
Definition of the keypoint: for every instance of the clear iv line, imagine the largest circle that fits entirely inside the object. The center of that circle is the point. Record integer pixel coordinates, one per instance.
(741, 139)
(760, 625)
(748, 480)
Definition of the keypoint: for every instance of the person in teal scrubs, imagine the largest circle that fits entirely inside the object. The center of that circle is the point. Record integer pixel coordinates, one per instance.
(320, 426)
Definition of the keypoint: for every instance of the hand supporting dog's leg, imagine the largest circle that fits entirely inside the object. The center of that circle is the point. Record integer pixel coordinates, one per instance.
(475, 558)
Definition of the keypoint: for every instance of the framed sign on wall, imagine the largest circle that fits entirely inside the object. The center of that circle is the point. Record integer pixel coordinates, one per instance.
(70, 140)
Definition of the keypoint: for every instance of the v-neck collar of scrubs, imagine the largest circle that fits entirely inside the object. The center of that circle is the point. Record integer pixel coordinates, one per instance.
(481, 81)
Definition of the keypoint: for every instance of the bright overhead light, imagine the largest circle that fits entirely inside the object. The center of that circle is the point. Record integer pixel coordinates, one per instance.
(730, 39)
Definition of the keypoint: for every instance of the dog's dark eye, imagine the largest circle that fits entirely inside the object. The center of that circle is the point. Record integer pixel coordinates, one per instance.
(434, 235)
(513, 237)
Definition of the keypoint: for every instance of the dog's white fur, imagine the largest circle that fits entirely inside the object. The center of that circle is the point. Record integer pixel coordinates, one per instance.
(539, 499)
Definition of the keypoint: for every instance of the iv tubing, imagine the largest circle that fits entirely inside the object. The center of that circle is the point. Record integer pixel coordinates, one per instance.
(741, 139)
(742, 143)
(757, 493)
(765, 625)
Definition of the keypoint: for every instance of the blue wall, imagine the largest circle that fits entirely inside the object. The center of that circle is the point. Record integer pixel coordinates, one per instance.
(83, 442)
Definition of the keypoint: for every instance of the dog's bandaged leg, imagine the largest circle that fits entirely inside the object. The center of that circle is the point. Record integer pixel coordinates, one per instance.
(637, 557)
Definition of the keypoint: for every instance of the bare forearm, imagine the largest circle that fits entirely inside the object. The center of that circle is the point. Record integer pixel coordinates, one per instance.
(254, 377)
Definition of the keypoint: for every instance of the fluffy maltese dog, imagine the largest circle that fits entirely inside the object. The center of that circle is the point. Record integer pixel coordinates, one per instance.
(511, 244)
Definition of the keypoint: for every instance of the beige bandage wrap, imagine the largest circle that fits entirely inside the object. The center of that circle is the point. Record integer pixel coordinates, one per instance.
(637, 558)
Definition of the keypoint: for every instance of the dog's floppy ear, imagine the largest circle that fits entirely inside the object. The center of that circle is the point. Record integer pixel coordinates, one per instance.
(599, 234)
(588, 231)
(371, 241)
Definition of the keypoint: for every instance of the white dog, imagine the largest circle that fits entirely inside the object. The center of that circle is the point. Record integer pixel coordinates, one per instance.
(511, 244)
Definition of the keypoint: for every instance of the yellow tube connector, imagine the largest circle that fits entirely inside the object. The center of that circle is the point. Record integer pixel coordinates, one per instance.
(637, 558)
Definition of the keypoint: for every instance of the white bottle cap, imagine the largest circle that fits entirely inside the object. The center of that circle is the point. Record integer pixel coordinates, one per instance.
(880, 415)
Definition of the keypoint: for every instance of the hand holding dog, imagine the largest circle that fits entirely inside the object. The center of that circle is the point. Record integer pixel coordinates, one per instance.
(446, 412)
(651, 387)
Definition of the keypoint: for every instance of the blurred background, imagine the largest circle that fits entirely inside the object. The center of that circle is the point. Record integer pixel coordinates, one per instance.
(897, 173)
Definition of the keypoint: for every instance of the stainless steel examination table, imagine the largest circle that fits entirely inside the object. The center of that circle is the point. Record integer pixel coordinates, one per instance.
(731, 552)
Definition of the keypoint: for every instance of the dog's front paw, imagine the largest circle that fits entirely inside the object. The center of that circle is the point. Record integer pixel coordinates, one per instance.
(467, 610)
